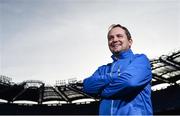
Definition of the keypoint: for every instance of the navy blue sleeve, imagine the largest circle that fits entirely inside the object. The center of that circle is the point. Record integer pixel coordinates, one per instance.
(95, 83)
(136, 75)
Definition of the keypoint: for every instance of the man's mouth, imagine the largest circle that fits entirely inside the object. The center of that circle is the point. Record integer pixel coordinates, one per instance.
(116, 45)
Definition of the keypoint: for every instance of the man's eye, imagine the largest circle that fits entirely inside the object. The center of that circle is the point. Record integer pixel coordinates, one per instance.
(110, 38)
(119, 36)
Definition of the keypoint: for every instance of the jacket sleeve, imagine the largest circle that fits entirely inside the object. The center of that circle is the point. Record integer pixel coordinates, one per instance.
(135, 77)
(95, 83)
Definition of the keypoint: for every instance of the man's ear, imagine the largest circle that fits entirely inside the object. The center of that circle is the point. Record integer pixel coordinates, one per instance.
(130, 42)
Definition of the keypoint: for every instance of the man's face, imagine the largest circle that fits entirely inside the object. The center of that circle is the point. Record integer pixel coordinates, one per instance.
(118, 41)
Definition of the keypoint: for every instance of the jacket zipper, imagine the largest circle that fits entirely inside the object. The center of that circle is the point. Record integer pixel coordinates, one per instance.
(112, 68)
(112, 102)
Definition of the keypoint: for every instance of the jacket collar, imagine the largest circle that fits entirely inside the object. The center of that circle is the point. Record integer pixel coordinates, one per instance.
(123, 55)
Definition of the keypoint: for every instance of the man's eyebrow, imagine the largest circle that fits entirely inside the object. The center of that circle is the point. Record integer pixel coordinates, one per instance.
(119, 34)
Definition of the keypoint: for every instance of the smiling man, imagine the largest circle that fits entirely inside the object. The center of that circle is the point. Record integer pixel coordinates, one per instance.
(124, 85)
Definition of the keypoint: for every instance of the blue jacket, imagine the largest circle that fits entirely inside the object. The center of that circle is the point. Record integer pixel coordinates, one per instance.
(124, 85)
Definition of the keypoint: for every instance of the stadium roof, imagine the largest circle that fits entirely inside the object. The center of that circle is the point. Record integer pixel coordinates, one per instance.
(36, 91)
(166, 69)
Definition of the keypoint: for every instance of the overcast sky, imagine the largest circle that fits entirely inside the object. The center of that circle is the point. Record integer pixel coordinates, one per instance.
(53, 40)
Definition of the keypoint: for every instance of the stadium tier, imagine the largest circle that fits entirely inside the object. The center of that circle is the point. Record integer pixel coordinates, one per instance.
(34, 97)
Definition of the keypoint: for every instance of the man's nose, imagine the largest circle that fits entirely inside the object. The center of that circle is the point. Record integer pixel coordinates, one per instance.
(115, 39)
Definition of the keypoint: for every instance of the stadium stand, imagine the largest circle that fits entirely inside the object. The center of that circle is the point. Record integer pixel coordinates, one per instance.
(34, 97)
(166, 72)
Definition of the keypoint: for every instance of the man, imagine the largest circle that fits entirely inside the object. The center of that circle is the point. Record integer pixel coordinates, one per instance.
(124, 85)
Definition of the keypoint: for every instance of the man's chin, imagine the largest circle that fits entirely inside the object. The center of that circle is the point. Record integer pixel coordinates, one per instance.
(116, 52)
(119, 51)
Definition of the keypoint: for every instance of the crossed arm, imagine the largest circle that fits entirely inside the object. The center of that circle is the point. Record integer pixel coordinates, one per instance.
(135, 76)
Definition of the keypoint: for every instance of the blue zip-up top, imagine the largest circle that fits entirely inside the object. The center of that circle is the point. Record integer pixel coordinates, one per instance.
(123, 85)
